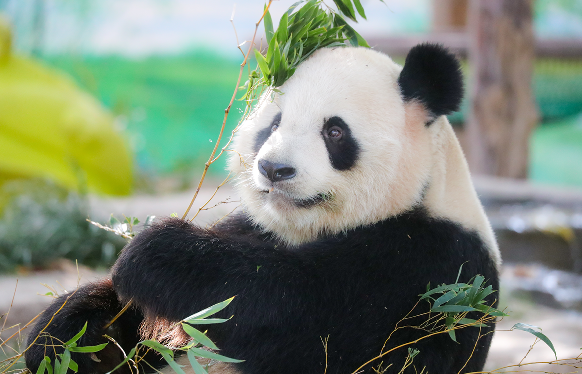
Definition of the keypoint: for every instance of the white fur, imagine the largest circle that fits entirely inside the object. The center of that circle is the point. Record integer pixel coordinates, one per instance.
(400, 161)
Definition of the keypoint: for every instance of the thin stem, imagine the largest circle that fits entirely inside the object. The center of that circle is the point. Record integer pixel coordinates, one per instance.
(226, 112)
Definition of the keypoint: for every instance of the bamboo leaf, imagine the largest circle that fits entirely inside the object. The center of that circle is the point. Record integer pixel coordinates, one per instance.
(173, 364)
(444, 298)
(360, 9)
(443, 288)
(198, 369)
(206, 321)
(41, 368)
(89, 348)
(198, 336)
(268, 22)
(49, 367)
(282, 29)
(453, 335)
(346, 8)
(73, 366)
(262, 63)
(157, 346)
(531, 329)
(125, 360)
(490, 310)
(77, 336)
(354, 38)
(483, 294)
(211, 355)
(65, 360)
(209, 311)
(292, 7)
(453, 309)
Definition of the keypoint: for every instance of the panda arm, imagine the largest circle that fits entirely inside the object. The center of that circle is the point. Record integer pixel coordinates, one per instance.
(174, 269)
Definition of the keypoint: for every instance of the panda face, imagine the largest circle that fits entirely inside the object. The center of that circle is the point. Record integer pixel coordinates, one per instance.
(337, 149)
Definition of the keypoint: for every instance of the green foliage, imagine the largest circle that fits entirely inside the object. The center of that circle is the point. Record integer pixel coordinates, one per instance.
(42, 222)
(63, 361)
(194, 348)
(458, 299)
(304, 28)
(537, 332)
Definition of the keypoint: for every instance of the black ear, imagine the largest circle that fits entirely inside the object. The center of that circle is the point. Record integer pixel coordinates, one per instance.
(432, 75)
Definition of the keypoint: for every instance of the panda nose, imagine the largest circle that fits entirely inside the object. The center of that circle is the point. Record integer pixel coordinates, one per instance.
(276, 172)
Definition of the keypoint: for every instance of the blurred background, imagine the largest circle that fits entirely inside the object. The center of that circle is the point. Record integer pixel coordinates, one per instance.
(113, 107)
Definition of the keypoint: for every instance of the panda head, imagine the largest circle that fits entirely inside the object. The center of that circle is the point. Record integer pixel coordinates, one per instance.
(348, 141)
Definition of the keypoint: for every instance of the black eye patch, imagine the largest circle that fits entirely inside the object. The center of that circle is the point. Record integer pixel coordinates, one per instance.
(265, 133)
(341, 146)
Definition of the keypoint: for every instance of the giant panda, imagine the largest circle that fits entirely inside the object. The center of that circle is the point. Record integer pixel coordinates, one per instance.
(355, 196)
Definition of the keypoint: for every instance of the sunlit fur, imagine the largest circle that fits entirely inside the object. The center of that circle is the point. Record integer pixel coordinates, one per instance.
(402, 164)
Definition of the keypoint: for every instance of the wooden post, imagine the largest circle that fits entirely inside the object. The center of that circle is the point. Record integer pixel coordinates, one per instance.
(449, 15)
(503, 111)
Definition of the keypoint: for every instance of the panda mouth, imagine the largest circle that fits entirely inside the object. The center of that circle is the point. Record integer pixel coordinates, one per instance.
(320, 198)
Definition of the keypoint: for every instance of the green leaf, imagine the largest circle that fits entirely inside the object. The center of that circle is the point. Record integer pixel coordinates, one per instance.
(453, 309)
(530, 328)
(490, 310)
(88, 348)
(268, 22)
(206, 321)
(443, 288)
(41, 368)
(157, 346)
(483, 294)
(198, 336)
(198, 369)
(346, 8)
(444, 298)
(65, 360)
(77, 336)
(292, 7)
(354, 38)
(135, 221)
(459, 273)
(211, 355)
(73, 366)
(49, 367)
(125, 360)
(173, 364)
(57, 365)
(460, 299)
(360, 9)
(453, 335)
(262, 63)
(475, 287)
(282, 29)
(208, 311)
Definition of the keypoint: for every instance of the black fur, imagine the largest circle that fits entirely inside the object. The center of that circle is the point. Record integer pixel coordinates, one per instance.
(351, 289)
(343, 153)
(432, 75)
(265, 133)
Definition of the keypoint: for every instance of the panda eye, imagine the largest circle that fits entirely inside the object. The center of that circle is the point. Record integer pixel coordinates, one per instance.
(335, 133)
(275, 126)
